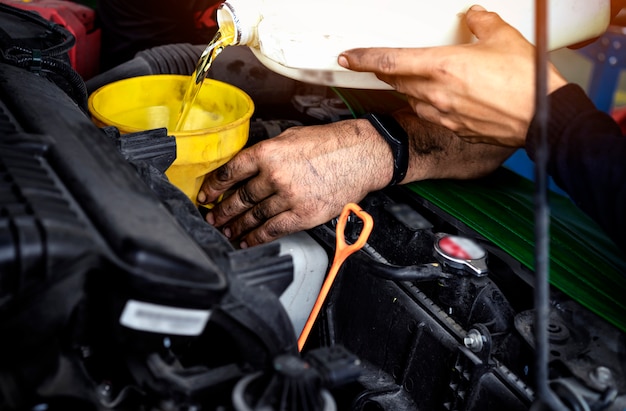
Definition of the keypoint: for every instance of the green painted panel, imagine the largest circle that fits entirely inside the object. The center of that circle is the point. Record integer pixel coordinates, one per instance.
(584, 263)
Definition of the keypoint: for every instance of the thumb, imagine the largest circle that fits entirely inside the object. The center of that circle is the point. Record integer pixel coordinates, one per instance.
(483, 23)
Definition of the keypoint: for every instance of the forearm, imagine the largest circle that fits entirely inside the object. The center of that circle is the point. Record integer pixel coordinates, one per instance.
(356, 150)
(436, 152)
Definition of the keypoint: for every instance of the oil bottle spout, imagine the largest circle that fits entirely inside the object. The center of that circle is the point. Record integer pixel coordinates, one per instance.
(240, 17)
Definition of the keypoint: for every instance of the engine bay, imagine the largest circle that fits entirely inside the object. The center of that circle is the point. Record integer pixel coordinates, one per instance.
(115, 294)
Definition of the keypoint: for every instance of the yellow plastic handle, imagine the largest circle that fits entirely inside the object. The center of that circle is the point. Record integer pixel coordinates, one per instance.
(343, 250)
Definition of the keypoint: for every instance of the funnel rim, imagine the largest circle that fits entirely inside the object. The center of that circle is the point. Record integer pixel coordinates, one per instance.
(245, 117)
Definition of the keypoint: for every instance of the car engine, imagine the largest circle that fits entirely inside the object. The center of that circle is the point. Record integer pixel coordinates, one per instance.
(115, 294)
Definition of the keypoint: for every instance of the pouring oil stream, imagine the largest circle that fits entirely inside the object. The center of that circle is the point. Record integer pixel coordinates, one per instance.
(224, 37)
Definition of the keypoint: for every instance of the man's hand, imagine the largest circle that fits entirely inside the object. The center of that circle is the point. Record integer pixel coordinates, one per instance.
(297, 180)
(483, 91)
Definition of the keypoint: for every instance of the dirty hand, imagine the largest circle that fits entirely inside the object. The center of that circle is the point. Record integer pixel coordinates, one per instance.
(483, 91)
(296, 181)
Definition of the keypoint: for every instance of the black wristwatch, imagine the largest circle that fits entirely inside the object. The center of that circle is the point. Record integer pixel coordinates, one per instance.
(398, 140)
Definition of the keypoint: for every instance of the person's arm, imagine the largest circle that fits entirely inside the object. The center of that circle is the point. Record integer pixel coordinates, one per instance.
(305, 176)
(437, 152)
(586, 158)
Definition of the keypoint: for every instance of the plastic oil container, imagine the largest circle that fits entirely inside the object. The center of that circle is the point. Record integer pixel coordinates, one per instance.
(302, 39)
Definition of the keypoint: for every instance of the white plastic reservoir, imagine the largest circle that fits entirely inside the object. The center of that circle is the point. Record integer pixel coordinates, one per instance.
(310, 262)
(301, 39)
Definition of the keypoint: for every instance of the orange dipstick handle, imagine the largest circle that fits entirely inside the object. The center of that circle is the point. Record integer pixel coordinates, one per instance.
(342, 251)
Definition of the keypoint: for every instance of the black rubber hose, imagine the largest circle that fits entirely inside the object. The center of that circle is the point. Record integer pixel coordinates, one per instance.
(57, 49)
(168, 59)
(173, 58)
(387, 271)
(77, 89)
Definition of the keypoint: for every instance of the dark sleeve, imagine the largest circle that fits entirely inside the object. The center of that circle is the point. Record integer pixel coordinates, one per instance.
(587, 158)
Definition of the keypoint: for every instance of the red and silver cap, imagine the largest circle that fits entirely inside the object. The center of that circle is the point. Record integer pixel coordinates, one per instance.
(461, 253)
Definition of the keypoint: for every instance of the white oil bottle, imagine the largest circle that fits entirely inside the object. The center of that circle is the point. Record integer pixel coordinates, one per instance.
(301, 39)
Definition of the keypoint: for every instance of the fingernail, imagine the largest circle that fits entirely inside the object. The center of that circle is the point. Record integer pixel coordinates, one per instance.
(227, 232)
(243, 244)
(477, 7)
(210, 218)
(343, 61)
(201, 197)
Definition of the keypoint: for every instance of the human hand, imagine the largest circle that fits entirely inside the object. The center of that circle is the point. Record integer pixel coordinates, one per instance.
(483, 91)
(296, 181)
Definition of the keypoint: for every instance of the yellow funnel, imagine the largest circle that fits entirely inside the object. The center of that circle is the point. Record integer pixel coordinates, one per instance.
(216, 129)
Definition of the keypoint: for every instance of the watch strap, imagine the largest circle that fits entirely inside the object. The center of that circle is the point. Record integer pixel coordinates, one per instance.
(393, 133)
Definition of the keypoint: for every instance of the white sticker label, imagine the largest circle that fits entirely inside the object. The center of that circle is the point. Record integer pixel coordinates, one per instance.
(163, 319)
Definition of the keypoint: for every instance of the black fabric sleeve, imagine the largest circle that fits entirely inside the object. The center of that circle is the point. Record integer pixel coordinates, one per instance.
(587, 158)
